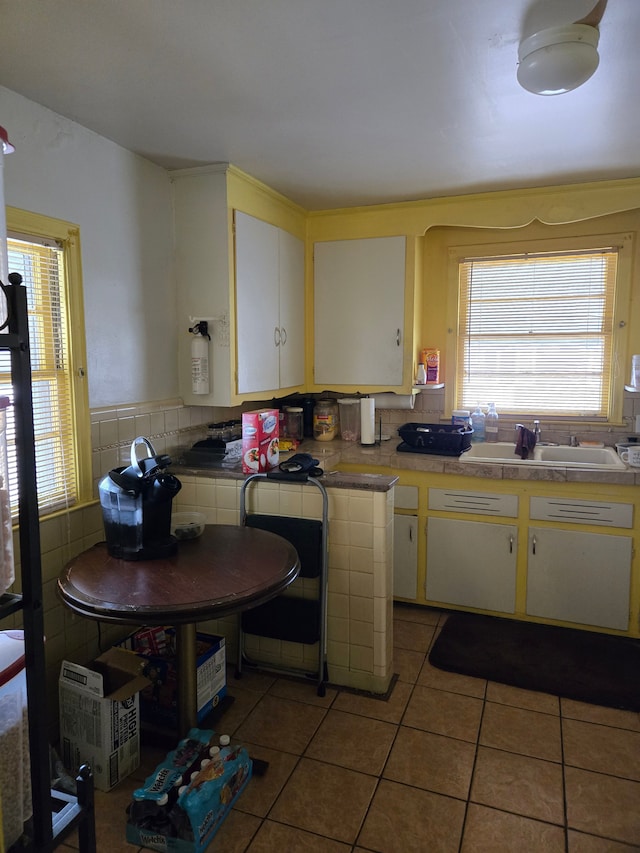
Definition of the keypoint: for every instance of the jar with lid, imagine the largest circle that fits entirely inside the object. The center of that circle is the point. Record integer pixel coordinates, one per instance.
(293, 422)
(215, 430)
(227, 430)
(325, 420)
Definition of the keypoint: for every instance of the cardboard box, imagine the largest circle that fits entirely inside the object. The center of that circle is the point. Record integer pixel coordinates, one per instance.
(260, 440)
(190, 820)
(99, 716)
(158, 701)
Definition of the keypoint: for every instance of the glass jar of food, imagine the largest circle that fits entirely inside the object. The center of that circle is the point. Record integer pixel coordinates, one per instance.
(293, 422)
(325, 420)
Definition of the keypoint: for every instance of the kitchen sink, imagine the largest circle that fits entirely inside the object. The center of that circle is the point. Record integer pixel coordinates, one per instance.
(561, 456)
(592, 456)
(501, 451)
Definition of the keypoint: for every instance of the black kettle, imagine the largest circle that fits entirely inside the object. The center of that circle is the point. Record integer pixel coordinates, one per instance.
(136, 506)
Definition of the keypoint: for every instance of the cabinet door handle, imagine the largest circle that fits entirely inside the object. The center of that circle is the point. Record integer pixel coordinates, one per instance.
(411, 534)
(533, 545)
(283, 336)
(276, 336)
(511, 544)
(398, 338)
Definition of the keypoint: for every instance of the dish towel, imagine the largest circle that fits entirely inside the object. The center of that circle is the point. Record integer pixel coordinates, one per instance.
(525, 443)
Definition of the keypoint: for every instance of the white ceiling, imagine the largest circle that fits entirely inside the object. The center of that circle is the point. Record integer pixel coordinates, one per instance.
(333, 102)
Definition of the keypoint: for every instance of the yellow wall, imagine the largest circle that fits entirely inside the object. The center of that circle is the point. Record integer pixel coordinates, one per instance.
(435, 224)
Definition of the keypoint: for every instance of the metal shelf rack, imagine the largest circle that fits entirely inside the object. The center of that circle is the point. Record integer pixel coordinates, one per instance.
(54, 814)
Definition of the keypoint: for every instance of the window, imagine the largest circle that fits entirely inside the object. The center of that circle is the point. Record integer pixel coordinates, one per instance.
(46, 254)
(537, 331)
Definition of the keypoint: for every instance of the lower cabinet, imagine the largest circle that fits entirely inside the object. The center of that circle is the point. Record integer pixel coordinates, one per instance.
(405, 556)
(472, 564)
(579, 577)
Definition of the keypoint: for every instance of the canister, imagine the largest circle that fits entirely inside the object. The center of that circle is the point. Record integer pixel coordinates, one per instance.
(15, 775)
(293, 422)
(461, 417)
(7, 569)
(325, 420)
(349, 408)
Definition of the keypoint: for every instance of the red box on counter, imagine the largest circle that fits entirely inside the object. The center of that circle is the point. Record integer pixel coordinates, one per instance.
(260, 440)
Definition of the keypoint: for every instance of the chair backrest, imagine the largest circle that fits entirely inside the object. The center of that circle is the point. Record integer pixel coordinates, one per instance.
(304, 534)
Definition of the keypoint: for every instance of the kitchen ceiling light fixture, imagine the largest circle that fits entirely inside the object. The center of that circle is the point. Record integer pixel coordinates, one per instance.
(558, 59)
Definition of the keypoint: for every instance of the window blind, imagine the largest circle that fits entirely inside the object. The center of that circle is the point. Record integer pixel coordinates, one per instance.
(535, 332)
(41, 265)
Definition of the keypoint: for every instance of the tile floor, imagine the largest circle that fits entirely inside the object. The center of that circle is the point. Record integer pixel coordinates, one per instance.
(448, 763)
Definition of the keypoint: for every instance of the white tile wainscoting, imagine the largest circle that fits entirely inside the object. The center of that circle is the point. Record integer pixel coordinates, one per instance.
(360, 598)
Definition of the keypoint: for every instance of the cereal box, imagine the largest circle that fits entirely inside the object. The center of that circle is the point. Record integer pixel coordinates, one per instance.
(159, 701)
(260, 440)
(99, 716)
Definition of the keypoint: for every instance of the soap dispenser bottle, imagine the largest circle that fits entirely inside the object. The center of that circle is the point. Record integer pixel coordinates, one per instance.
(478, 424)
(491, 423)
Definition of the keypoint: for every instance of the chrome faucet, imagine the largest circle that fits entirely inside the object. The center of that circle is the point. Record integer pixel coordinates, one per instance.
(536, 429)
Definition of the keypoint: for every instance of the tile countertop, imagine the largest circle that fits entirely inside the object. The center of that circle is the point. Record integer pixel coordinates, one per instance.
(385, 454)
(328, 454)
(331, 454)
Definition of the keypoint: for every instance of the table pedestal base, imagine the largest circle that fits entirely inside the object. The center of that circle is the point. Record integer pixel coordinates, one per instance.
(188, 687)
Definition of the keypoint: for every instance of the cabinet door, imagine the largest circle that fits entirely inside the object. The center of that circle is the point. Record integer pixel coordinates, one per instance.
(359, 288)
(405, 556)
(291, 268)
(472, 564)
(257, 304)
(579, 577)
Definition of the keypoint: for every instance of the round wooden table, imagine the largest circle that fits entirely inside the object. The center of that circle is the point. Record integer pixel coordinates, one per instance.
(226, 570)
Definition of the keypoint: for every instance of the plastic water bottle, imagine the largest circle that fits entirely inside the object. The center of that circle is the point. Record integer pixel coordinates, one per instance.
(491, 423)
(478, 424)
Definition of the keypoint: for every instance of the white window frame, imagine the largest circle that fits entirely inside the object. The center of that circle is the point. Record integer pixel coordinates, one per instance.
(619, 355)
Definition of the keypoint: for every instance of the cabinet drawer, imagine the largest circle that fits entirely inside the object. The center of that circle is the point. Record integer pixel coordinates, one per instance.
(406, 497)
(480, 503)
(603, 513)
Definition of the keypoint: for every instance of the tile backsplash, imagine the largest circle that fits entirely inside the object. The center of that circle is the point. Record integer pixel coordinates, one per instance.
(168, 424)
(430, 408)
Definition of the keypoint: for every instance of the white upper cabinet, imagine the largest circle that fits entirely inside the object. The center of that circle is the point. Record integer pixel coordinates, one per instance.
(269, 306)
(250, 291)
(359, 307)
(291, 310)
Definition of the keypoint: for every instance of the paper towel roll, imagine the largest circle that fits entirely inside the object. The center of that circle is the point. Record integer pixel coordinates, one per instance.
(367, 420)
(395, 401)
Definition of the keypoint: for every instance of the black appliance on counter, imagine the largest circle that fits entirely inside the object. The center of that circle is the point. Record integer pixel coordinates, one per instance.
(136, 506)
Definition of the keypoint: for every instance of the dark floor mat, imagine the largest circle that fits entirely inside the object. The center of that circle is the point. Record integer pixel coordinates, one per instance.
(596, 668)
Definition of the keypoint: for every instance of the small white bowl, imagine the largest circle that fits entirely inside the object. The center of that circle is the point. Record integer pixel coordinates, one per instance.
(187, 525)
